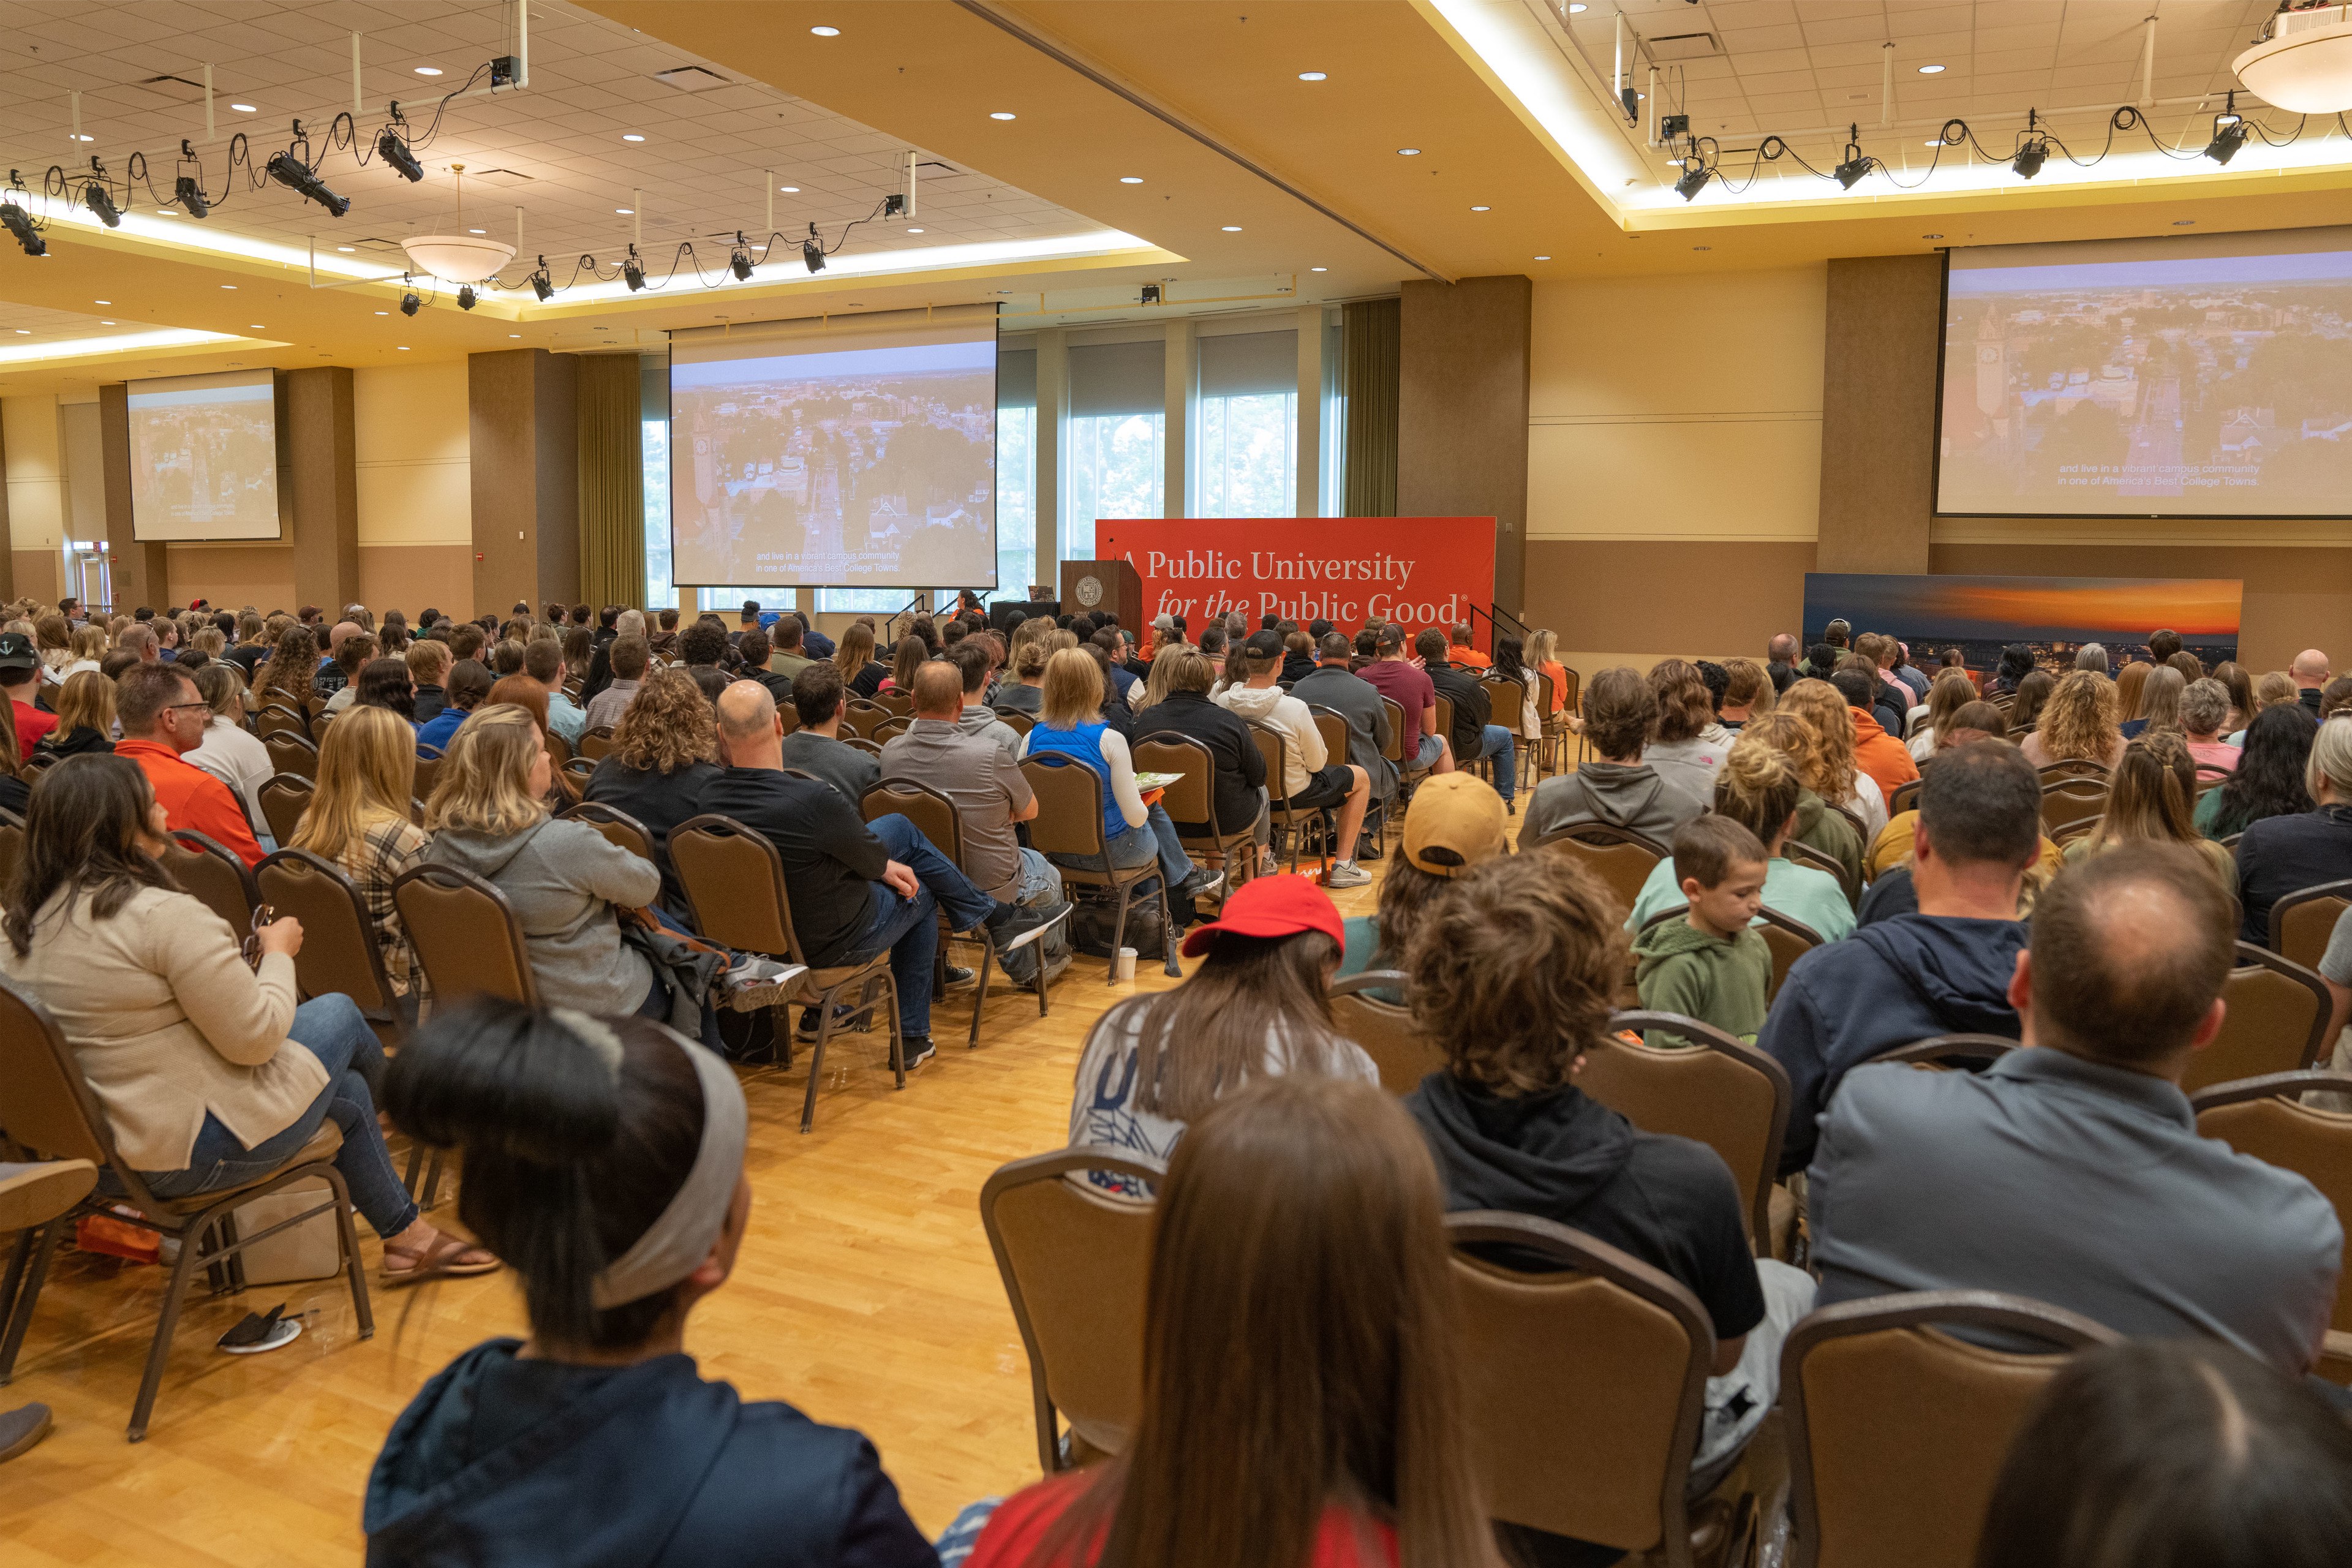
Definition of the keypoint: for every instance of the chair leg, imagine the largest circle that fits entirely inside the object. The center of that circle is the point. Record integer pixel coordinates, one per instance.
(898, 1028)
(816, 1058)
(432, 1181)
(1174, 970)
(175, 1294)
(1118, 931)
(979, 1000)
(27, 1269)
(347, 1234)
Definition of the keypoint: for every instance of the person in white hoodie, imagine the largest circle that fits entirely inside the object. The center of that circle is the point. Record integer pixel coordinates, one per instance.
(1311, 781)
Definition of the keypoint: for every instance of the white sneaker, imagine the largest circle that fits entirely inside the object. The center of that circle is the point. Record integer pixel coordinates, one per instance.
(1346, 874)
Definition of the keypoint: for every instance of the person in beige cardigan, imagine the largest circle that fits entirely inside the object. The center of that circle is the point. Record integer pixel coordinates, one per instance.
(209, 1073)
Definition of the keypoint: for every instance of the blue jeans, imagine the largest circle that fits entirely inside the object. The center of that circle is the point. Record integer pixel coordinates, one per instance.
(1499, 746)
(331, 1029)
(1155, 840)
(906, 928)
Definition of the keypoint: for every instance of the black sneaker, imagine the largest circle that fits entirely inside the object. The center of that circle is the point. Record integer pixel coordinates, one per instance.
(1367, 847)
(1203, 880)
(919, 1050)
(806, 1028)
(1014, 922)
(959, 975)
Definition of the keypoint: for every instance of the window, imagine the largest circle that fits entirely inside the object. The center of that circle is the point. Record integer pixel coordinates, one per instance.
(653, 411)
(1016, 472)
(1246, 455)
(1116, 439)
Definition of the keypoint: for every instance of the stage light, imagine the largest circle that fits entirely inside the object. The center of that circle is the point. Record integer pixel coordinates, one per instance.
(1850, 173)
(632, 271)
(20, 224)
(1694, 178)
(410, 304)
(465, 297)
(812, 252)
(191, 197)
(395, 151)
(2229, 132)
(2029, 159)
(739, 260)
(288, 171)
(94, 195)
(541, 284)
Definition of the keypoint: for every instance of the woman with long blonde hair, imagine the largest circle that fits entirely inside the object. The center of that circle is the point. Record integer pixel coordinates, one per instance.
(85, 716)
(2152, 799)
(359, 819)
(1829, 768)
(1543, 658)
(2130, 682)
(1070, 725)
(2078, 724)
(1953, 690)
(1818, 827)
(2159, 702)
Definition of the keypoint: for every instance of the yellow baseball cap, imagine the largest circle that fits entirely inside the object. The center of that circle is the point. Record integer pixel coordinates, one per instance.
(1456, 822)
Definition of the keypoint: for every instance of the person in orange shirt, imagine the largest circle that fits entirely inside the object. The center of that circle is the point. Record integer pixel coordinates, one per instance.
(1462, 656)
(1885, 758)
(163, 715)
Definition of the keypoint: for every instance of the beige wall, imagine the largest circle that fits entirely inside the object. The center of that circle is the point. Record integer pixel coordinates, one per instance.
(415, 523)
(39, 498)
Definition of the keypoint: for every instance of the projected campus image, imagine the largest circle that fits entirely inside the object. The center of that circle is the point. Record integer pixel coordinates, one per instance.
(2150, 384)
(203, 459)
(868, 466)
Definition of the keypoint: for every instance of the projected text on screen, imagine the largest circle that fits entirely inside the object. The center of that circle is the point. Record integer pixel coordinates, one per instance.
(864, 465)
(203, 458)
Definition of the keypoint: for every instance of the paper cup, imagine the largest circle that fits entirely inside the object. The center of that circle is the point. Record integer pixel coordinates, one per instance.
(1126, 964)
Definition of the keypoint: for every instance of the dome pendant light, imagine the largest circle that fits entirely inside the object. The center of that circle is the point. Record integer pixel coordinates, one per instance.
(2303, 63)
(460, 258)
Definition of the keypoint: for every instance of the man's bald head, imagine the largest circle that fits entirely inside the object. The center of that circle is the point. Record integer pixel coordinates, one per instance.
(2309, 669)
(2130, 950)
(1781, 649)
(342, 630)
(939, 690)
(746, 711)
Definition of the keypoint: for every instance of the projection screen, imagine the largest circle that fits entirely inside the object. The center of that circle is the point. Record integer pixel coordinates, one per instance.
(203, 456)
(854, 452)
(2197, 376)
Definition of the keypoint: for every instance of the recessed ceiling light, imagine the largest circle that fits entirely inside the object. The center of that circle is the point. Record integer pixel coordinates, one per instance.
(1573, 9)
(80, 137)
(1311, 75)
(790, 190)
(24, 331)
(631, 136)
(402, 347)
(1318, 270)
(102, 301)
(477, 231)
(826, 32)
(1408, 151)
(1931, 70)
(243, 107)
(1004, 114)
(514, 335)
(1130, 179)
(428, 71)
(106, 323)
(347, 249)
(1482, 209)
(230, 286)
(914, 231)
(1931, 236)
(626, 212)
(383, 312)
(2182, 222)
(250, 326)
(1233, 229)
(1543, 258)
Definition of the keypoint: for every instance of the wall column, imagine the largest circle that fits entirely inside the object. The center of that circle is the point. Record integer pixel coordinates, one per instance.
(523, 407)
(325, 515)
(1310, 411)
(1878, 412)
(1053, 414)
(142, 570)
(1462, 412)
(1178, 427)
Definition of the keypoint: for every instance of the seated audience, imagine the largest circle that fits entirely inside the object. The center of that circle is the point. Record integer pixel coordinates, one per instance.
(1952, 691)
(788, 653)
(2281, 855)
(230, 752)
(665, 753)
(21, 676)
(1024, 676)
(1758, 788)
(1237, 781)
(1709, 965)
(1833, 833)
(2159, 702)
(1543, 658)
(428, 672)
(2309, 674)
(351, 655)
(2071, 1172)
(1616, 787)
(2016, 664)
(1944, 970)
(1515, 969)
(85, 716)
(2093, 657)
(1886, 701)
(1459, 649)
(1457, 823)
(163, 718)
(2269, 778)
(2179, 1453)
(861, 675)
(1686, 745)
(1332, 684)
(543, 662)
(907, 656)
(816, 748)
(1474, 739)
(1510, 664)
(1876, 752)
(2032, 696)
(1070, 725)
(1312, 780)
(211, 1077)
(1256, 1007)
(628, 659)
(469, 684)
(857, 888)
(972, 661)
(1835, 771)
(1301, 1214)
(2077, 724)
(604, 1160)
(358, 820)
(2151, 799)
(1748, 691)
(2204, 709)
(2131, 683)
(385, 683)
(1393, 675)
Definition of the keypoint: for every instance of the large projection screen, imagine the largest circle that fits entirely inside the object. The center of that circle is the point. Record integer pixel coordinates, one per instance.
(2204, 377)
(857, 452)
(203, 456)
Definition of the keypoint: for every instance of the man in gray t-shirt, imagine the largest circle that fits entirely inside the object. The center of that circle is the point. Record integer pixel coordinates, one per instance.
(984, 782)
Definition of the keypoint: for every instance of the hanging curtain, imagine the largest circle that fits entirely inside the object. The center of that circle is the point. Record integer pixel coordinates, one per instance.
(612, 482)
(1369, 354)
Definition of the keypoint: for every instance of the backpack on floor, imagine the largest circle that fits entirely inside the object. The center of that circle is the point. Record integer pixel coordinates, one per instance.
(1095, 910)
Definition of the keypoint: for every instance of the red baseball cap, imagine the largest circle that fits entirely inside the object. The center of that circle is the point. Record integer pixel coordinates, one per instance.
(1271, 906)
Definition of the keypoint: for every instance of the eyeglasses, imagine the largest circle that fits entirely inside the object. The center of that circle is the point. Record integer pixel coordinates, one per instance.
(184, 707)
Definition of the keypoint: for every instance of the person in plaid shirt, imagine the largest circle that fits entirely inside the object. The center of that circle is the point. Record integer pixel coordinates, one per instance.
(358, 818)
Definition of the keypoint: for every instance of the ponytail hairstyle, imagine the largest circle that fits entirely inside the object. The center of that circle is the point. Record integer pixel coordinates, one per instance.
(566, 1166)
(2153, 796)
(1757, 786)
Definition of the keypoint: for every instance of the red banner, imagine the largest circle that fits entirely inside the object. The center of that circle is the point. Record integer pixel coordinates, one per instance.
(1420, 572)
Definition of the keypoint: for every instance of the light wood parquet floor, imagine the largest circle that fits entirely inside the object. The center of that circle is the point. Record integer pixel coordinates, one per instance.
(865, 1295)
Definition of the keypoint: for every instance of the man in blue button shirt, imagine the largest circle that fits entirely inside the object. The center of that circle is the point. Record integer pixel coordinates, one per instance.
(2071, 1170)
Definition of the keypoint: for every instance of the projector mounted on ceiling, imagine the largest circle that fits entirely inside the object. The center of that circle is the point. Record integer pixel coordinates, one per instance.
(2304, 62)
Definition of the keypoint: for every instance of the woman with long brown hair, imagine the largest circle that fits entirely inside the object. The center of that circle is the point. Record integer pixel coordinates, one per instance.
(665, 753)
(2131, 681)
(905, 658)
(291, 674)
(1830, 768)
(854, 657)
(1301, 1401)
(1952, 691)
(2159, 702)
(2078, 724)
(1680, 749)
(2153, 799)
(359, 819)
(2032, 696)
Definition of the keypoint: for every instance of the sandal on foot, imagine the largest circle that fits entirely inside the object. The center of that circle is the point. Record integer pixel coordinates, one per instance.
(446, 1257)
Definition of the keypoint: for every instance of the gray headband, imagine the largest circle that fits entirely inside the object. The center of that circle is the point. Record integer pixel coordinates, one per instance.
(675, 1245)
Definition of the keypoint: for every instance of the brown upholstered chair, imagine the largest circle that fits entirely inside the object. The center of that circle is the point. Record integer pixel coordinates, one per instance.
(2276, 1021)
(50, 1110)
(1726, 1094)
(276, 719)
(1402, 1052)
(2303, 920)
(1507, 695)
(1619, 857)
(890, 728)
(1019, 721)
(1898, 1429)
(860, 744)
(1602, 1344)
(1789, 939)
(898, 702)
(2071, 800)
(1815, 859)
(1409, 771)
(214, 874)
(1905, 796)
(617, 827)
(860, 717)
(1274, 746)
(558, 750)
(291, 754)
(428, 768)
(1965, 1053)
(2274, 1118)
(1075, 1265)
(1069, 824)
(2073, 768)
(734, 882)
(595, 743)
(12, 846)
(1193, 798)
(284, 799)
(466, 934)
(2080, 827)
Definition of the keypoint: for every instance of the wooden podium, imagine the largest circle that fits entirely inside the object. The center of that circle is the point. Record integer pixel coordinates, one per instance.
(1090, 587)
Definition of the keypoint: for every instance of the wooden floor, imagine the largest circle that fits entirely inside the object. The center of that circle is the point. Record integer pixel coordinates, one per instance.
(865, 1295)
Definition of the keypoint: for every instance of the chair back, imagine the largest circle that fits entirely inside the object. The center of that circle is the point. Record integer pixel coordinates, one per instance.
(1905, 796)
(1274, 749)
(2069, 800)
(1726, 1094)
(1017, 720)
(2073, 768)
(291, 754)
(276, 719)
(1898, 1429)
(558, 750)
(1444, 706)
(734, 883)
(595, 743)
(1075, 1266)
(890, 728)
(338, 946)
(427, 770)
(284, 799)
(1621, 857)
(932, 812)
(1394, 750)
(1815, 859)
(12, 846)
(2271, 1119)
(49, 1109)
(466, 934)
(1966, 1052)
(1572, 692)
(1507, 695)
(1069, 819)
(860, 717)
(2302, 921)
(872, 748)
(1600, 1342)
(216, 875)
(1332, 727)
(1384, 1030)
(2276, 1021)
(898, 702)
(617, 826)
(1193, 797)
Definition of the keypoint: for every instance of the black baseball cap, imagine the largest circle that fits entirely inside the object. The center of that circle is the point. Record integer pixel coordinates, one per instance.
(1263, 645)
(17, 651)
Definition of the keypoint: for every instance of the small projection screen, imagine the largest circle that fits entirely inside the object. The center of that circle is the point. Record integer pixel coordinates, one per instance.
(203, 456)
(856, 452)
(2199, 377)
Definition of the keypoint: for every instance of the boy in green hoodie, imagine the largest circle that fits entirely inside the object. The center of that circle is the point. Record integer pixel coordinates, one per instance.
(1709, 965)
